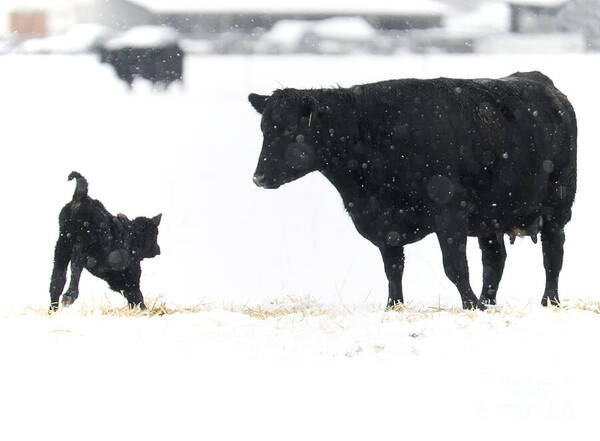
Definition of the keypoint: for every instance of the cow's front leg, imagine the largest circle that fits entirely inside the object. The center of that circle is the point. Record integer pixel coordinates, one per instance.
(493, 256)
(77, 262)
(454, 253)
(393, 261)
(553, 239)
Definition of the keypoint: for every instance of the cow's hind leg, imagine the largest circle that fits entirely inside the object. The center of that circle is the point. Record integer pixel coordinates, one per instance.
(454, 253)
(553, 239)
(393, 261)
(493, 256)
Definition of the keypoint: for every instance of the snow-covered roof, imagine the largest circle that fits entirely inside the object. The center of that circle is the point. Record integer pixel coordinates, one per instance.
(538, 3)
(144, 36)
(287, 33)
(80, 38)
(345, 7)
(488, 17)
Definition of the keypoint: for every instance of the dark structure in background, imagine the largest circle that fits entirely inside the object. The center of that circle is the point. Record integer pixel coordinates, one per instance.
(161, 65)
(582, 16)
(535, 15)
(206, 18)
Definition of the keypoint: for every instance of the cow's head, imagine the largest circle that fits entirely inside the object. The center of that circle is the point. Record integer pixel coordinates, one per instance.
(291, 131)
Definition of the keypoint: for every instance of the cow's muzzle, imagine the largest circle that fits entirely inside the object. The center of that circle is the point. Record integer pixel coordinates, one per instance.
(259, 180)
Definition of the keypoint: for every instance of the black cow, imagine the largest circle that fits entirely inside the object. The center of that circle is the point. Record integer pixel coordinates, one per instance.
(160, 65)
(454, 157)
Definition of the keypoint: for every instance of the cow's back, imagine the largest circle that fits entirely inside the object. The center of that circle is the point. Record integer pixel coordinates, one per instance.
(506, 146)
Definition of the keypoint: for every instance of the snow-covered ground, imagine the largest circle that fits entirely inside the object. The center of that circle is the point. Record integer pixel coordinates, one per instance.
(330, 365)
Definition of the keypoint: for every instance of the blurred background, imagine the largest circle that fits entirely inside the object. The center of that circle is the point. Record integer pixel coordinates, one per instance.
(310, 26)
(148, 100)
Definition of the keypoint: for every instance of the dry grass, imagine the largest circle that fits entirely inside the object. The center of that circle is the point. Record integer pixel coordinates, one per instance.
(158, 307)
(309, 307)
(302, 307)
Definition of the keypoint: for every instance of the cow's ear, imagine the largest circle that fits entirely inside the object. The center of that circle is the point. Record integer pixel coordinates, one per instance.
(310, 108)
(310, 104)
(258, 101)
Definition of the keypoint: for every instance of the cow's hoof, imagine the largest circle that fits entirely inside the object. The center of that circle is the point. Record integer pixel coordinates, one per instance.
(472, 305)
(394, 306)
(67, 300)
(487, 300)
(550, 301)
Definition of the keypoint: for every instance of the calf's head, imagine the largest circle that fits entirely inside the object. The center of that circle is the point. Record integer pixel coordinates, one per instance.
(291, 136)
(146, 236)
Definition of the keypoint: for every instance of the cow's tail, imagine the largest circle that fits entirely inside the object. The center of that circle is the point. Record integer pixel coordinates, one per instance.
(81, 189)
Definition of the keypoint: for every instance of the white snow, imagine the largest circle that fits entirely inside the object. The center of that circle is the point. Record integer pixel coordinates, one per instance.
(334, 366)
(539, 43)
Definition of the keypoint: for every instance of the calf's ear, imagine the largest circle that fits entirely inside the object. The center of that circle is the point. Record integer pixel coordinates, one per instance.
(258, 101)
(156, 219)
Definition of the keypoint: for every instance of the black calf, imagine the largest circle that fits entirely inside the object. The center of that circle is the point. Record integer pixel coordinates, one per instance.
(110, 247)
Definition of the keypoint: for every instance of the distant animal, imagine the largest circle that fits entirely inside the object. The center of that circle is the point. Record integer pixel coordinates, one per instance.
(110, 247)
(454, 157)
(161, 65)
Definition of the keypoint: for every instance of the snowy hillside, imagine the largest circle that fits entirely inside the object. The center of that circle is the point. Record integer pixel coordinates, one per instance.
(247, 360)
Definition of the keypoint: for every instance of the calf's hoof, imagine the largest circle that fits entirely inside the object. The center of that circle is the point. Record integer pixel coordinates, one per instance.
(141, 306)
(67, 300)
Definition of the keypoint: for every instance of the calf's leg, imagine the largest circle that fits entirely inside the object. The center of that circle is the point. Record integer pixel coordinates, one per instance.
(454, 255)
(134, 298)
(393, 261)
(128, 283)
(493, 255)
(62, 255)
(553, 239)
(77, 262)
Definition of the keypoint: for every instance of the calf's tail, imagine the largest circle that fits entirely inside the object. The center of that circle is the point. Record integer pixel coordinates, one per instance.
(81, 189)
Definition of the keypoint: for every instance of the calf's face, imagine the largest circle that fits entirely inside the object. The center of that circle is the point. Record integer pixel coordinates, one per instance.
(146, 231)
(290, 137)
